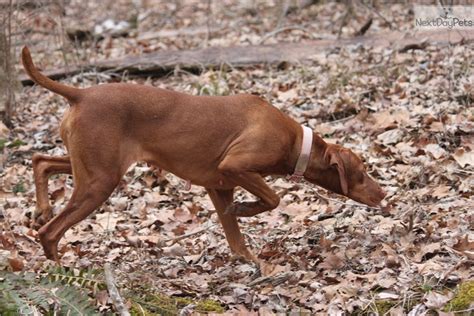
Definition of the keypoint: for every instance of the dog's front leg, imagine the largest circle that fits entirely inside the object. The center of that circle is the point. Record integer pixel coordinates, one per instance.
(221, 200)
(255, 184)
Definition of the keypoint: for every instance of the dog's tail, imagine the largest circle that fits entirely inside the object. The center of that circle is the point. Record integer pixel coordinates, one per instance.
(70, 93)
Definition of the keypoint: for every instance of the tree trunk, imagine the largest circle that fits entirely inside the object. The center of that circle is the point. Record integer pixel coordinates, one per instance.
(7, 72)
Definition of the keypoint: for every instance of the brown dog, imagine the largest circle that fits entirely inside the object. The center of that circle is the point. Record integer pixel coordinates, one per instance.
(215, 142)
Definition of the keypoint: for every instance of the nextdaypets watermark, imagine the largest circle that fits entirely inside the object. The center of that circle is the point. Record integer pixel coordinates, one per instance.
(450, 17)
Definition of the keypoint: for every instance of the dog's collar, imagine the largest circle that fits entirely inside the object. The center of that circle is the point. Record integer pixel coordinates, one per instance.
(303, 159)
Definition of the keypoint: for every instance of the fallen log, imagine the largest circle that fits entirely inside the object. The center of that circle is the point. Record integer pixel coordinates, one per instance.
(163, 62)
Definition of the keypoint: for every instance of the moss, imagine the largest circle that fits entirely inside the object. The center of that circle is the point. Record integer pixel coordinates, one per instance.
(158, 304)
(181, 301)
(2, 143)
(383, 306)
(209, 306)
(16, 143)
(19, 187)
(165, 305)
(13, 144)
(463, 299)
(138, 310)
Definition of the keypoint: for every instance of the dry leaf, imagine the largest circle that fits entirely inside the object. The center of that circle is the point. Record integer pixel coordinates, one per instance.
(332, 261)
(436, 300)
(108, 221)
(435, 150)
(463, 157)
(390, 137)
(16, 263)
(464, 244)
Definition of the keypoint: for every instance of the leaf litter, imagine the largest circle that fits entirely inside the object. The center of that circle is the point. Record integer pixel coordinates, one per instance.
(409, 115)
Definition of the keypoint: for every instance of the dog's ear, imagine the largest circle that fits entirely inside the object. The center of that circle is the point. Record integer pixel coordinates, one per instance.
(336, 159)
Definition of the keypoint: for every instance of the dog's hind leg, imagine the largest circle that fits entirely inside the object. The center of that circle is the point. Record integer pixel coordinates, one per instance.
(43, 168)
(95, 177)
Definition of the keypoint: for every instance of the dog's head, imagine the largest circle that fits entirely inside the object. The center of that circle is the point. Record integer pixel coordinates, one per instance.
(343, 172)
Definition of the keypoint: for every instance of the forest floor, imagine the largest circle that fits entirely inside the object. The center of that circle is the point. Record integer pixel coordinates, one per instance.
(409, 115)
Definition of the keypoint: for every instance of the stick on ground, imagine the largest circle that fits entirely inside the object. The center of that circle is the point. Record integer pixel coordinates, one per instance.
(114, 293)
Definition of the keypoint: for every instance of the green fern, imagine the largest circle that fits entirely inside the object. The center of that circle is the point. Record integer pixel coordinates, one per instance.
(58, 292)
(70, 300)
(85, 278)
(12, 300)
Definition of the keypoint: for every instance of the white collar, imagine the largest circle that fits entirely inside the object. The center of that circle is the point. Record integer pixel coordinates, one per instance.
(303, 159)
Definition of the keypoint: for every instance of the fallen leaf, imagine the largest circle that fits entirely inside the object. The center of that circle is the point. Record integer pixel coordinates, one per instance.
(435, 150)
(332, 261)
(16, 263)
(108, 220)
(463, 157)
(464, 244)
(287, 95)
(441, 191)
(436, 300)
(387, 295)
(390, 137)
(427, 249)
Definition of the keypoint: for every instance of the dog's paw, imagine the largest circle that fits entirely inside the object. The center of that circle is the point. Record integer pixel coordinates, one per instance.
(37, 223)
(41, 217)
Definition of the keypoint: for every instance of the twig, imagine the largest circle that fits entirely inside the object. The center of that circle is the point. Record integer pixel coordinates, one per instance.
(448, 272)
(60, 34)
(208, 25)
(463, 311)
(344, 18)
(8, 226)
(114, 292)
(414, 46)
(451, 72)
(411, 220)
(141, 308)
(283, 29)
(274, 280)
(187, 310)
(347, 118)
(463, 171)
(364, 28)
(285, 6)
(175, 240)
